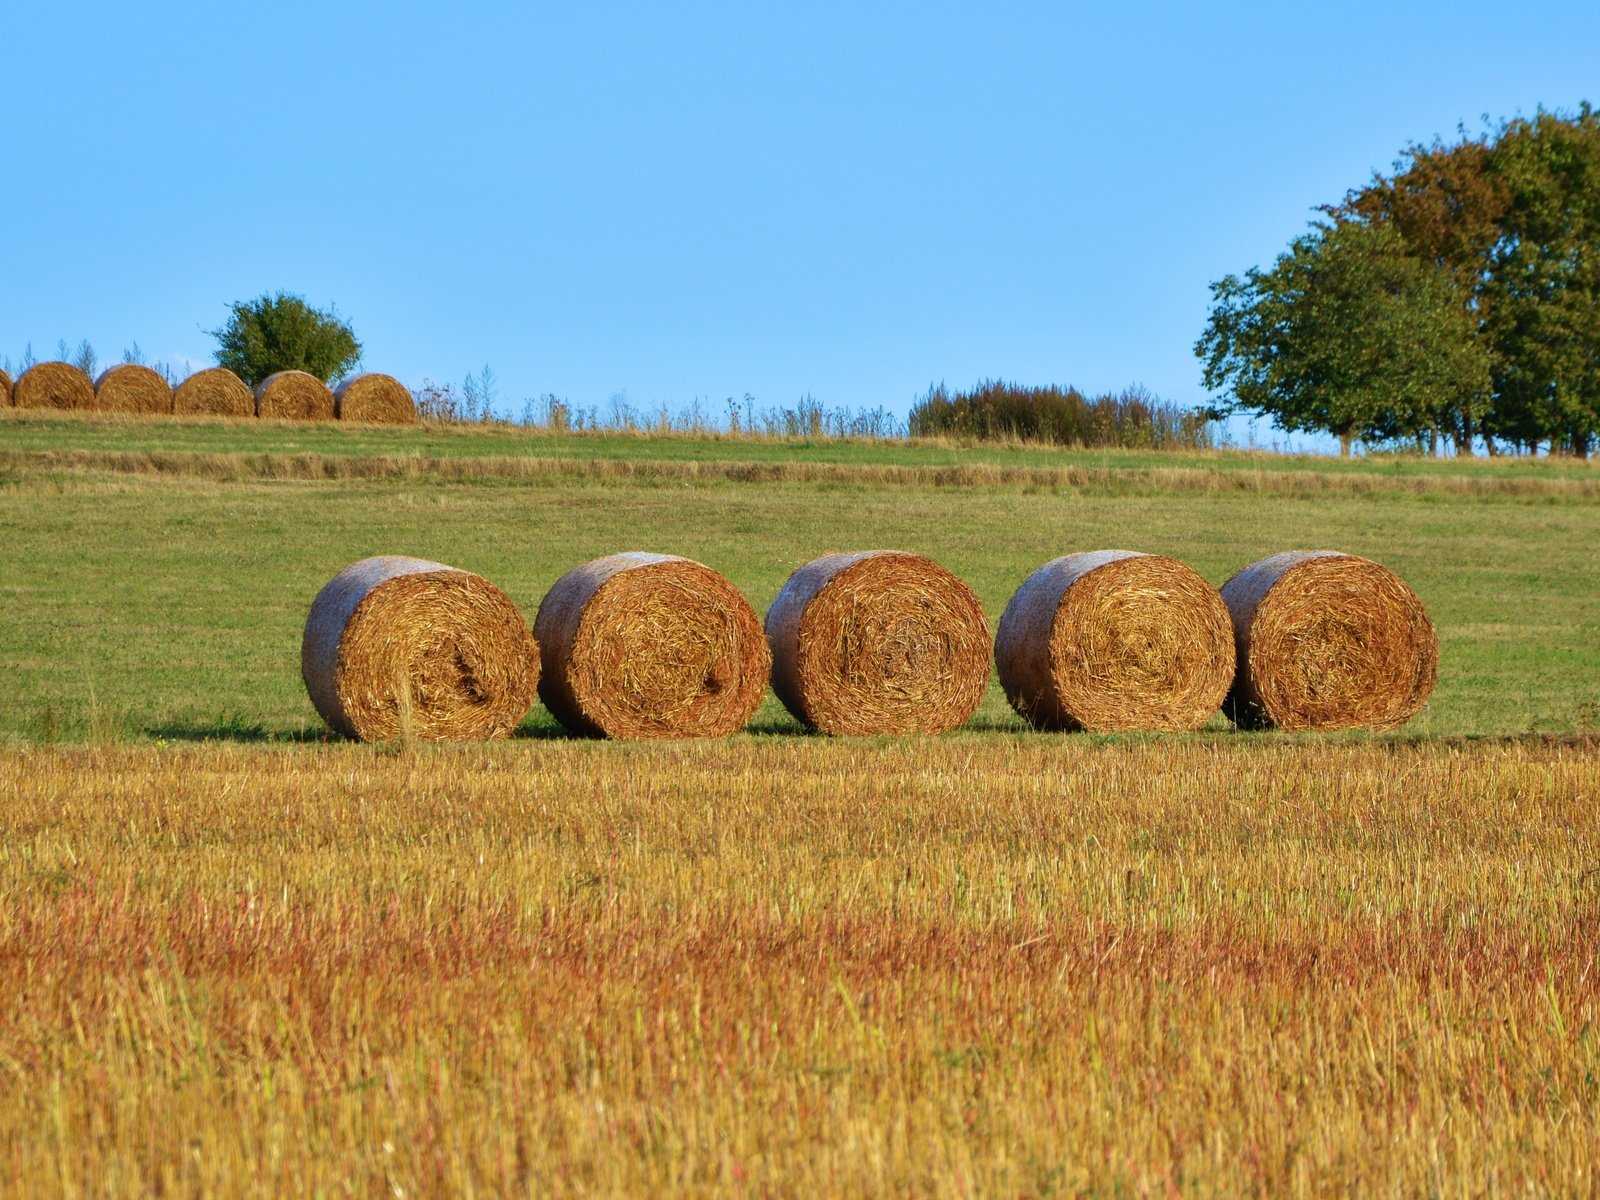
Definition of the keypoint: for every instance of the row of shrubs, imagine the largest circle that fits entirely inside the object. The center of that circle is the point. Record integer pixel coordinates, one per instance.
(995, 410)
(134, 388)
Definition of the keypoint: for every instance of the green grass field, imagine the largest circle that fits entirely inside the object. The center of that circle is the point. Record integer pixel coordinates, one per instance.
(161, 604)
(992, 963)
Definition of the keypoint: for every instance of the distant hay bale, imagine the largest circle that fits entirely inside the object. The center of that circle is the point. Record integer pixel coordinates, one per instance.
(53, 385)
(640, 645)
(5, 390)
(377, 398)
(294, 396)
(129, 387)
(1327, 641)
(878, 642)
(1114, 639)
(216, 391)
(395, 645)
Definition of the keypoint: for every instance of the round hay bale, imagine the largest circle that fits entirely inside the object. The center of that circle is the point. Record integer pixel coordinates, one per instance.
(129, 387)
(878, 642)
(216, 391)
(294, 396)
(1115, 639)
(395, 645)
(375, 397)
(1327, 641)
(5, 390)
(643, 645)
(53, 385)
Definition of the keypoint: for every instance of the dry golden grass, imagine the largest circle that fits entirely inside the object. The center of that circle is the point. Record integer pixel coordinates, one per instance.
(979, 965)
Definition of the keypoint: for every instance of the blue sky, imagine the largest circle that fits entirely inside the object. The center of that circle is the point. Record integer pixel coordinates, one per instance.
(685, 200)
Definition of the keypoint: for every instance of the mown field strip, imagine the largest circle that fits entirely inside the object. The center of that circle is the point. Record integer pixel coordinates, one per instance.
(241, 467)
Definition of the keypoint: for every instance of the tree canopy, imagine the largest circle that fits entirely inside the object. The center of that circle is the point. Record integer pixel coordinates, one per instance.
(1459, 295)
(281, 332)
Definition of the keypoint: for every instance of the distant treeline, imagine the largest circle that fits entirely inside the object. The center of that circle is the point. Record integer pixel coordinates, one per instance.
(995, 410)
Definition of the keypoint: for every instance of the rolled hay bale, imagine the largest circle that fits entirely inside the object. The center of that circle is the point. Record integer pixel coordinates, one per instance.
(1327, 641)
(878, 641)
(5, 390)
(53, 385)
(294, 396)
(1115, 639)
(216, 391)
(397, 645)
(640, 645)
(377, 398)
(129, 387)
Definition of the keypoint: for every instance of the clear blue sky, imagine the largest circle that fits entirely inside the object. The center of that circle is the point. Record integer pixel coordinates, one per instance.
(680, 200)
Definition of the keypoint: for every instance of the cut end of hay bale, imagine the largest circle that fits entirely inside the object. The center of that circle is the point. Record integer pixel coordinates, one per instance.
(397, 646)
(376, 398)
(216, 391)
(131, 388)
(1115, 640)
(53, 385)
(1327, 640)
(877, 642)
(639, 645)
(294, 396)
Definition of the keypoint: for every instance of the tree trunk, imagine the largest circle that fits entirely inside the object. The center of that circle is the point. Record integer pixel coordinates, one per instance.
(1433, 443)
(1344, 444)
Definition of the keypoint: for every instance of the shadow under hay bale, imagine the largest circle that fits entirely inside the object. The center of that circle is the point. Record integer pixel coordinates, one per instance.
(53, 385)
(878, 641)
(397, 646)
(216, 391)
(375, 398)
(641, 645)
(294, 396)
(131, 388)
(1327, 640)
(1115, 640)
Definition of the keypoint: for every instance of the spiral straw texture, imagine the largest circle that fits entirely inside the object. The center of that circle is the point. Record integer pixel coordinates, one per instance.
(53, 385)
(641, 645)
(1114, 639)
(216, 391)
(375, 397)
(1327, 641)
(131, 388)
(294, 396)
(878, 641)
(398, 645)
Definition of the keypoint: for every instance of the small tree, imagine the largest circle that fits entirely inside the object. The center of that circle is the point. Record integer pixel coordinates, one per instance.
(282, 332)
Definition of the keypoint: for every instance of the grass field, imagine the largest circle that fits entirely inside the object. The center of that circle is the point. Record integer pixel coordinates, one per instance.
(995, 963)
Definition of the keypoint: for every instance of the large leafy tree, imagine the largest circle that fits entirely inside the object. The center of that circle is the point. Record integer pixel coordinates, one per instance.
(281, 332)
(1543, 289)
(1511, 219)
(1347, 333)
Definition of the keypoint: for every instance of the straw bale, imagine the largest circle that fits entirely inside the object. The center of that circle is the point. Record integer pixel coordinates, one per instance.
(1327, 640)
(878, 641)
(5, 390)
(294, 396)
(1114, 639)
(397, 645)
(53, 385)
(216, 391)
(377, 398)
(641, 645)
(129, 387)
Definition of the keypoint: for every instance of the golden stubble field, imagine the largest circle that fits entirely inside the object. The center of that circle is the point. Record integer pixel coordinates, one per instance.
(982, 965)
